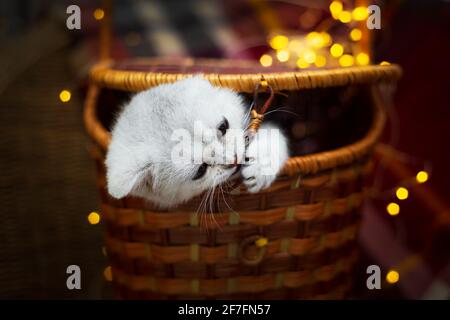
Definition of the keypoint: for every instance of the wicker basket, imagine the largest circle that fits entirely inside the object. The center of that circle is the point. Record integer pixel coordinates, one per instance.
(294, 240)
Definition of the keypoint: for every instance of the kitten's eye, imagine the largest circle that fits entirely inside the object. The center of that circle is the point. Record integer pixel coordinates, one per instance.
(201, 171)
(223, 127)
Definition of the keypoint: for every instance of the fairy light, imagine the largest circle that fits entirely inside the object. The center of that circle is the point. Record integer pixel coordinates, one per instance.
(265, 60)
(309, 56)
(345, 16)
(326, 38)
(93, 218)
(295, 45)
(384, 63)
(261, 242)
(279, 42)
(107, 273)
(321, 61)
(392, 276)
(346, 60)
(422, 176)
(336, 50)
(301, 63)
(336, 8)
(356, 34)
(359, 13)
(99, 14)
(65, 95)
(393, 209)
(362, 59)
(314, 39)
(283, 55)
(402, 193)
(317, 48)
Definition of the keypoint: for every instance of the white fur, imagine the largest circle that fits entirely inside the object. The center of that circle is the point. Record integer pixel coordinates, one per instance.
(139, 162)
(267, 154)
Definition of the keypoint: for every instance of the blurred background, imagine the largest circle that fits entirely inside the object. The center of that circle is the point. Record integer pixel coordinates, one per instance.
(48, 198)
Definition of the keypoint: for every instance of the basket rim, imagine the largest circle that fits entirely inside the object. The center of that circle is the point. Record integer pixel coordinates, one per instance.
(306, 164)
(106, 75)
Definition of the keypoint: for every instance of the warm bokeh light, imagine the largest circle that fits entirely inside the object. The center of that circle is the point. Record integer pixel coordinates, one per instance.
(346, 60)
(326, 38)
(279, 42)
(107, 273)
(360, 13)
(309, 56)
(283, 55)
(321, 61)
(296, 45)
(314, 39)
(345, 16)
(336, 8)
(384, 63)
(265, 60)
(99, 14)
(362, 59)
(65, 95)
(422, 176)
(393, 209)
(261, 242)
(392, 276)
(93, 218)
(336, 50)
(356, 34)
(402, 193)
(301, 63)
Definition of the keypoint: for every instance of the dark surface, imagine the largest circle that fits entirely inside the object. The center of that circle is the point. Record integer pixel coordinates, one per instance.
(47, 189)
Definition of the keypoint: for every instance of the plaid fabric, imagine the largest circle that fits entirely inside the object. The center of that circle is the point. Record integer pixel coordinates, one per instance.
(198, 28)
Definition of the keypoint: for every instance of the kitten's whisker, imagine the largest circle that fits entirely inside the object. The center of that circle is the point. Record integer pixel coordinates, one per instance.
(210, 214)
(282, 110)
(212, 211)
(202, 208)
(206, 209)
(220, 189)
(201, 202)
(247, 114)
(229, 187)
(226, 203)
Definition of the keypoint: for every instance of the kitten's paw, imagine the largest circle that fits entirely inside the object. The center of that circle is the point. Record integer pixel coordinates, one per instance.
(255, 178)
(266, 154)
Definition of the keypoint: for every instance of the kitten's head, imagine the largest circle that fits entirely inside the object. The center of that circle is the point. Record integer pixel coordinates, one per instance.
(176, 141)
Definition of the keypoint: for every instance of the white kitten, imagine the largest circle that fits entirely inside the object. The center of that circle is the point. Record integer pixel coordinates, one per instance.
(140, 157)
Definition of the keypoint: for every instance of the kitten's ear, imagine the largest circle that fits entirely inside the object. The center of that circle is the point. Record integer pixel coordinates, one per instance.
(120, 184)
(122, 174)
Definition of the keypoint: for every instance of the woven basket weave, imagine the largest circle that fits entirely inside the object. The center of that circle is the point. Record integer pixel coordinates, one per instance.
(293, 240)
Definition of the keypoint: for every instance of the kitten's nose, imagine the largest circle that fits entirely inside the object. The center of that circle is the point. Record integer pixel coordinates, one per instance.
(234, 164)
